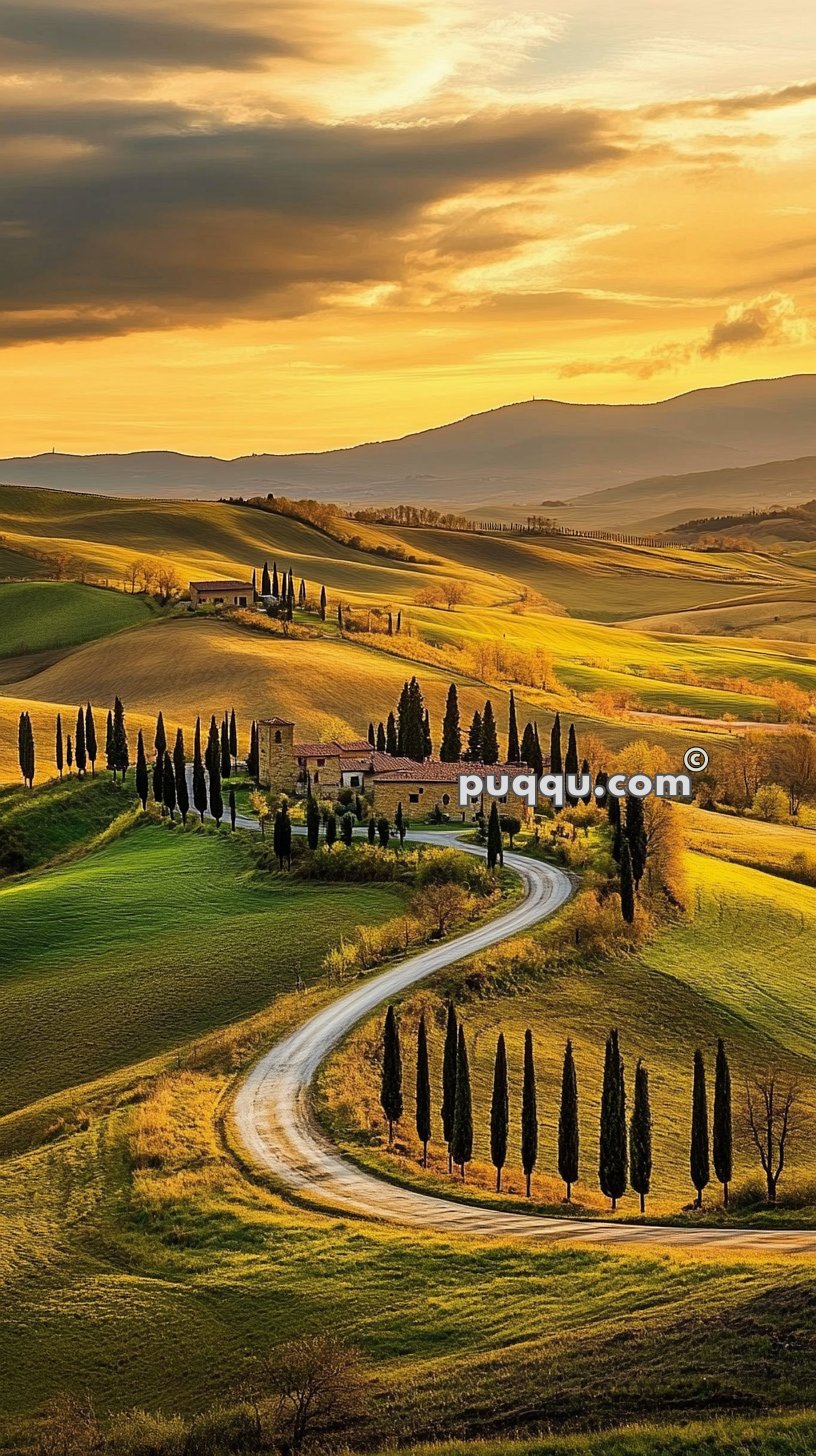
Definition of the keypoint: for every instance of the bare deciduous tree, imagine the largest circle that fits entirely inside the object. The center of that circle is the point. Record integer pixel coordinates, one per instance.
(769, 1109)
(314, 1387)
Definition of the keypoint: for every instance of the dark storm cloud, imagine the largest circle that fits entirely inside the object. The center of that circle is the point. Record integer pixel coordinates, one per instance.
(90, 37)
(157, 217)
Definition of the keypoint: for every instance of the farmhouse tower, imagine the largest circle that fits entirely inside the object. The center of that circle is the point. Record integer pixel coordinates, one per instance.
(277, 764)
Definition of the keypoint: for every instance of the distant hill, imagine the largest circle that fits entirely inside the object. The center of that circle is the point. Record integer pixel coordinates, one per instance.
(520, 453)
(666, 500)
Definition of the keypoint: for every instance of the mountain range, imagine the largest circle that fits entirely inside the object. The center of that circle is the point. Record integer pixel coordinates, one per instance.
(614, 457)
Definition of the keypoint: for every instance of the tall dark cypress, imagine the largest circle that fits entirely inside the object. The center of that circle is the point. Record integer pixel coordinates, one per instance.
(331, 829)
(613, 813)
(499, 1111)
(410, 722)
(120, 742)
(225, 759)
(529, 1112)
(527, 748)
(380, 744)
(427, 741)
(399, 823)
(556, 760)
(69, 752)
(312, 821)
(423, 1091)
(372, 830)
(212, 753)
(513, 750)
(276, 590)
(391, 739)
(571, 759)
(613, 1161)
(449, 1079)
(372, 735)
(568, 1131)
(627, 884)
(490, 737)
(538, 757)
(233, 739)
(474, 748)
(640, 1137)
(180, 773)
(109, 754)
(91, 746)
(160, 738)
(302, 594)
(252, 756)
(266, 585)
(322, 604)
(391, 1085)
(216, 799)
(30, 751)
(723, 1137)
(461, 1147)
(141, 770)
(698, 1159)
(495, 850)
(158, 781)
(199, 779)
(233, 810)
(282, 836)
(58, 758)
(586, 778)
(80, 752)
(451, 748)
(636, 836)
(168, 785)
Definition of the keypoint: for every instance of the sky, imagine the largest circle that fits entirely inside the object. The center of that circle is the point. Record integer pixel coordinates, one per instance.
(230, 226)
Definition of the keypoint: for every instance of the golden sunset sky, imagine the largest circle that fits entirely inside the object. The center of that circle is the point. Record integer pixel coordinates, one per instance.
(231, 226)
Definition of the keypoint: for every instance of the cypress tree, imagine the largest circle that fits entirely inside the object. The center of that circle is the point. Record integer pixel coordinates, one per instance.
(568, 1131)
(27, 750)
(199, 780)
(499, 1111)
(411, 737)
(423, 1091)
(391, 1085)
(282, 836)
(613, 814)
(449, 1079)
(372, 830)
(225, 760)
(698, 1161)
(384, 833)
(495, 850)
(252, 756)
(451, 747)
(571, 759)
(90, 738)
(613, 1161)
(216, 799)
(212, 753)
(474, 748)
(57, 746)
(141, 770)
(276, 591)
(461, 1147)
(636, 836)
(391, 739)
(233, 740)
(347, 830)
(254, 586)
(372, 736)
(640, 1137)
(180, 772)
(158, 782)
(529, 1112)
(538, 756)
(722, 1140)
(340, 616)
(627, 885)
(168, 785)
(490, 738)
(601, 782)
(399, 821)
(302, 594)
(232, 808)
(513, 750)
(69, 752)
(427, 741)
(586, 797)
(109, 756)
(266, 587)
(380, 744)
(399, 621)
(331, 829)
(80, 754)
(290, 599)
(120, 743)
(527, 749)
(290, 589)
(556, 761)
(312, 821)
(390, 624)
(322, 604)
(160, 739)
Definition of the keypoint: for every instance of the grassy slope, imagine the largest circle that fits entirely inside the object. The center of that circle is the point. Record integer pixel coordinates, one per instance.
(60, 816)
(738, 965)
(151, 940)
(39, 615)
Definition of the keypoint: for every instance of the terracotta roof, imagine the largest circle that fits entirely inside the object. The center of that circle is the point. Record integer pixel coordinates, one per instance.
(317, 750)
(221, 585)
(355, 765)
(357, 745)
(389, 763)
(277, 722)
(434, 772)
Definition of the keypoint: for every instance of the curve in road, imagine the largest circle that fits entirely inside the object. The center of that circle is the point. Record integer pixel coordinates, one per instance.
(272, 1117)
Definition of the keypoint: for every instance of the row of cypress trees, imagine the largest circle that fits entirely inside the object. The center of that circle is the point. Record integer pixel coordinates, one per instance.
(624, 1147)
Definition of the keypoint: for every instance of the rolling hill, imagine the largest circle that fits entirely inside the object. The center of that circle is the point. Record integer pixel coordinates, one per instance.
(526, 451)
(653, 503)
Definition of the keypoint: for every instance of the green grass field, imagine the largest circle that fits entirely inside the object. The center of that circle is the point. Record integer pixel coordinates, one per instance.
(61, 816)
(153, 939)
(35, 616)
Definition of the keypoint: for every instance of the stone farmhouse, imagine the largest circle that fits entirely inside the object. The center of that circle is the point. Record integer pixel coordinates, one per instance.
(222, 593)
(288, 767)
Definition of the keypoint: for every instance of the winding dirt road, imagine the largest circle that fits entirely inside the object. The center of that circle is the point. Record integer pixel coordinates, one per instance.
(272, 1118)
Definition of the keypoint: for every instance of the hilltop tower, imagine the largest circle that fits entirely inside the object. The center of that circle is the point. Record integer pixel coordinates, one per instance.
(277, 765)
